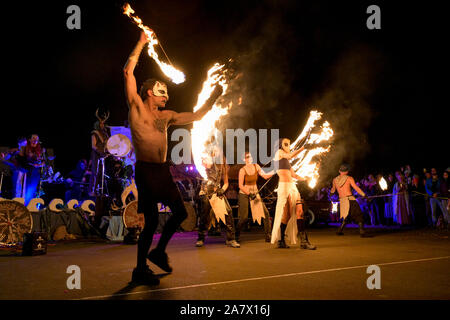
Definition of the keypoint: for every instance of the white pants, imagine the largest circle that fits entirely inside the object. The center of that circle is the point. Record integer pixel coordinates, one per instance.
(286, 189)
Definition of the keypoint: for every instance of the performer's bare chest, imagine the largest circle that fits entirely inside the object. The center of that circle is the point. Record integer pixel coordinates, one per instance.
(149, 134)
(149, 124)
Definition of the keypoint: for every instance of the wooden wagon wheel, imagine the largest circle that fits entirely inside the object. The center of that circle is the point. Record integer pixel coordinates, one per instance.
(131, 218)
(15, 221)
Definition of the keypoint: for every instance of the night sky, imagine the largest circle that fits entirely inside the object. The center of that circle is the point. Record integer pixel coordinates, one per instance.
(384, 89)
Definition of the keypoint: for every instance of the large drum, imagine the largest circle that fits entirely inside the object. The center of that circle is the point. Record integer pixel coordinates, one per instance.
(118, 145)
(190, 222)
(15, 221)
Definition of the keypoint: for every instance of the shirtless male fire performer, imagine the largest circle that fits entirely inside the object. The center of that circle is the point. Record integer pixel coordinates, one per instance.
(153, 179)
(349, 207)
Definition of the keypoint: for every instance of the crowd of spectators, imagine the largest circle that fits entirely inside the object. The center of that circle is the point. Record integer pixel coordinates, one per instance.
(410, 198)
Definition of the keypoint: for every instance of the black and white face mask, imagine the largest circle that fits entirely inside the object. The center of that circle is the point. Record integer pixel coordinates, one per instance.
(286, 145)
(160, 90)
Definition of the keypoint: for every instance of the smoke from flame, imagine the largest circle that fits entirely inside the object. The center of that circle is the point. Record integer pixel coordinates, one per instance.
(175, 75)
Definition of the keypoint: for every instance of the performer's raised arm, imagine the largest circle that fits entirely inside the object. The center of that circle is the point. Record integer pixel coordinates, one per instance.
(296, 152)
(289, 155)
(189, 117)
(131, 93)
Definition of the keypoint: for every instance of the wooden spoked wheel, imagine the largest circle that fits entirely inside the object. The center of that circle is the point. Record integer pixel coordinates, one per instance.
(15, 221)
(131, 218)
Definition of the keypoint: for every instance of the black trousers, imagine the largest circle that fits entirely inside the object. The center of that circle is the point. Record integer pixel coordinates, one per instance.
(244, 203)
(206, 214)
(155, 184)
(355, 212)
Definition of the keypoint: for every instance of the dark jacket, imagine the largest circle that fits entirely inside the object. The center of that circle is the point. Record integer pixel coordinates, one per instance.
(444, 187)
(433, 186)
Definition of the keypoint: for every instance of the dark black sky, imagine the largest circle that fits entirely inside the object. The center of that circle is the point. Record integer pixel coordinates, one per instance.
(391, 83)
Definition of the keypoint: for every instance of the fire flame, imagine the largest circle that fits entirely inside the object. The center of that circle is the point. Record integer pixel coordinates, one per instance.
(334, 207)
(383, 184)
(203, 130)
(175, 75)
(305, 164)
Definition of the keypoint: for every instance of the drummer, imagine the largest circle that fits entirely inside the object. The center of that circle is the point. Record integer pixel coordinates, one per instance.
(75, 182)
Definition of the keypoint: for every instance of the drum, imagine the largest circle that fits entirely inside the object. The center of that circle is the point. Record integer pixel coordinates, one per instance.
(15, 221)
(190, 222)
(118, 145)
(131, 218)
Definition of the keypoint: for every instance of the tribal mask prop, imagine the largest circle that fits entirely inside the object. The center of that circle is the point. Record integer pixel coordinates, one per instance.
(160, 90)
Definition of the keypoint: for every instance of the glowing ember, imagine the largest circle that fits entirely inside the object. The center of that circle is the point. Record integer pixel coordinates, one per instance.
(175, 75)
(205, 129)
(306, 164)
(383, 184)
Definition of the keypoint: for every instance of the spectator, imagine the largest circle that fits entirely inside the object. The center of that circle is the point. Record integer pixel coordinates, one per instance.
(400, 200)
(388, 201)
(408, 175)
(433, 188)
(418, 203)
(427, 199)
(371, 190)
(445, 191)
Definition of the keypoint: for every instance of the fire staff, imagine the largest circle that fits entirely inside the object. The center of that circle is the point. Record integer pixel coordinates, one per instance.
(154, 181)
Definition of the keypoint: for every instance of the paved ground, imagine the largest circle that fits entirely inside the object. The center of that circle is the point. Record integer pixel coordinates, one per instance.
(414, 264)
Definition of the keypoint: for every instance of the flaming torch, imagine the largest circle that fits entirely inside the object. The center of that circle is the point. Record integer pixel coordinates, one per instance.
(383, 184)
(205, 129)
(334, 207)
(175, 75)
(305, 164)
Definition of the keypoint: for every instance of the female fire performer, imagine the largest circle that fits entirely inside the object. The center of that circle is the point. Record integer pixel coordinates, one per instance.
(248, 190)
(288, 201)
